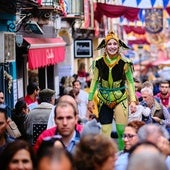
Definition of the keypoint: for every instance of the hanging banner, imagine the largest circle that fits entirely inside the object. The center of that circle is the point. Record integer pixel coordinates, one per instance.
(154, 20)
(86, 14)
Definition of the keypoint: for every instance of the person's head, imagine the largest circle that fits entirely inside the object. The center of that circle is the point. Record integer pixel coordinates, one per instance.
(138, 84)
(66, 118)
(147, 95)
(82, 67)
(95, 152)
(164, 87)
(112, 44)
(2, 99)
(63, 79)
(146, 156)
(76, 85)
(91, 106)
(152, 132)
(157, 135)
(47, 95)
(70, 99)
(73, 92)
(147, 84)
(130, 136)
(33, 89)
(21, 107)
(3, 120)
(133, 109)
(55, 159)
(91, 127)
(143, 146)
(18, 155)
(50, 142)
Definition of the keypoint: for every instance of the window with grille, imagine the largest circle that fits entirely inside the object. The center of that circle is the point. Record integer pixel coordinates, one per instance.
(7, 44)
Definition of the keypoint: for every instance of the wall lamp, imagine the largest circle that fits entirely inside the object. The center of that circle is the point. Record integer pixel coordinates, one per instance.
(32, 26)
(29, 25)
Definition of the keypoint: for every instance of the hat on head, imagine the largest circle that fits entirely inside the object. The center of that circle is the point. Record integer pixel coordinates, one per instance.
(109, 36)
(46, 93)
(91, 127)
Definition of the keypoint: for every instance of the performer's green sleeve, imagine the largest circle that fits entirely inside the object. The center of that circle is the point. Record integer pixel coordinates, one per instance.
(130, 82)
(94, 83)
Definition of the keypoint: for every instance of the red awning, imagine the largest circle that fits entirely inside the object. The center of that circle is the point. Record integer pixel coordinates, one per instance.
(45, 51)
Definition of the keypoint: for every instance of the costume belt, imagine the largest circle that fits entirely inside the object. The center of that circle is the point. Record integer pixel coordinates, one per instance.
(107, 90)
(109, 103)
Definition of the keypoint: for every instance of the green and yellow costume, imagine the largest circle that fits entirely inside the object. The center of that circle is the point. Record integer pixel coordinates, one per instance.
(114, 80)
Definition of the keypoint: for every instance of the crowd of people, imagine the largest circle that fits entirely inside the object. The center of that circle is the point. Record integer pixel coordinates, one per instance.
(126, 128)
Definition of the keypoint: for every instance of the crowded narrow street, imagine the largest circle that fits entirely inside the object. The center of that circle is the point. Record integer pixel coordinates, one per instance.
(85, 85)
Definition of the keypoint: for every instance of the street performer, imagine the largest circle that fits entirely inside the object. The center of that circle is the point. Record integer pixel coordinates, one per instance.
(113, 76)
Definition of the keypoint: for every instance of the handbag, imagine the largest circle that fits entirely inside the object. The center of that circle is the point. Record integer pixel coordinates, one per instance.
(12, 129)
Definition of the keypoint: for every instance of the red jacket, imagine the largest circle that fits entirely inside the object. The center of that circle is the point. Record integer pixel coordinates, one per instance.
(165, 99)
(49, 133)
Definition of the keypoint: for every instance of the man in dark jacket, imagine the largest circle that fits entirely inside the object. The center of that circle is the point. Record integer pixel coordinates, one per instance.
(37, 119)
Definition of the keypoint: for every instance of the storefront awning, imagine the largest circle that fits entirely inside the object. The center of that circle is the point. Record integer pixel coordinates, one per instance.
(45, 51)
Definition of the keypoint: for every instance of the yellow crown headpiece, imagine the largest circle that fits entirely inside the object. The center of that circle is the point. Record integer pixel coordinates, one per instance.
(111, 35)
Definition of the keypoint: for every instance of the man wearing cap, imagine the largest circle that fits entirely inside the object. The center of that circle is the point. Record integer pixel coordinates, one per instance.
(37, 119)
(112, 75)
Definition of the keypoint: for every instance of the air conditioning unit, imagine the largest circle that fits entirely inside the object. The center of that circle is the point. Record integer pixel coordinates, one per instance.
(7, 47)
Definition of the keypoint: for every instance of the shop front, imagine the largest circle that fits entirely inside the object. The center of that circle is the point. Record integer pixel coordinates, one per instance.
(37, 60)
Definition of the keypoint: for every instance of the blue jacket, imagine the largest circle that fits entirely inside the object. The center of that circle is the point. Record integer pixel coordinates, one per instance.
(8, 140)
(122, 161)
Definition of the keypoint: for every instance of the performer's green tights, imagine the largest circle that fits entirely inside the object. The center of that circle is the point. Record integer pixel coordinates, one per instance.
(120, 130)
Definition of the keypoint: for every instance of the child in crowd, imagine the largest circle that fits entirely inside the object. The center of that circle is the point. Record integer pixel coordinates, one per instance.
(135, 113)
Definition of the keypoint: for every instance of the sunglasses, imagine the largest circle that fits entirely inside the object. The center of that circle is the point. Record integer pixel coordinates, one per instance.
(129, 136)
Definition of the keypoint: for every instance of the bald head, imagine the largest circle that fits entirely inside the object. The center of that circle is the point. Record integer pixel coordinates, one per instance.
(68, 98)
